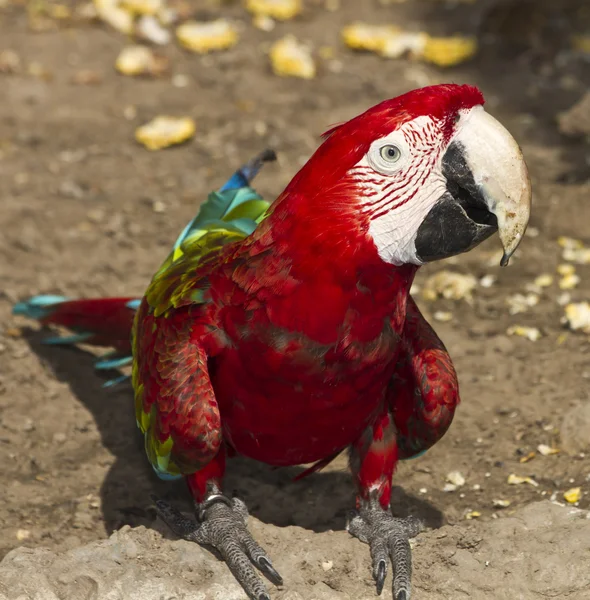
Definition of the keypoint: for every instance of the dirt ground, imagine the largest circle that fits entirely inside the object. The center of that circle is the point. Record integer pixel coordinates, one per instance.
(86, 211)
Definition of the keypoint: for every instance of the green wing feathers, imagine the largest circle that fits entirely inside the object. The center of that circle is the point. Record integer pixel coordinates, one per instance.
(226, 217)
(174, 400)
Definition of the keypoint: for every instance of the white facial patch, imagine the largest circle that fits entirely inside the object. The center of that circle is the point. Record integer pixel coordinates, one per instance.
(398, 190)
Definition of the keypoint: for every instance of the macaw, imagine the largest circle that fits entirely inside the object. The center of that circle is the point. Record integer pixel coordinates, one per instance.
(287, 332)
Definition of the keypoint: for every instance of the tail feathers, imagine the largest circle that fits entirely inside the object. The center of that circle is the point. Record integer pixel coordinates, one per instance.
(38, 307)
(96, 321)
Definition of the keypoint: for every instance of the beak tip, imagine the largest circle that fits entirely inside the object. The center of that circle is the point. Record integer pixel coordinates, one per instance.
(505, 260)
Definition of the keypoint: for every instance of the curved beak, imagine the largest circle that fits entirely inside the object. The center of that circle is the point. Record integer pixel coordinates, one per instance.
(488, 190)
(499, 171)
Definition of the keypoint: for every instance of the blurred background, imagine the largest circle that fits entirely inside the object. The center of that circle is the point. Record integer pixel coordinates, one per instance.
(93, 192)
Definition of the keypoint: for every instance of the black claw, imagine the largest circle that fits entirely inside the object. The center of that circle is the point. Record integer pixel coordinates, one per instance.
(264, 597)
(270, 572)
(402, 595)
(380, 580)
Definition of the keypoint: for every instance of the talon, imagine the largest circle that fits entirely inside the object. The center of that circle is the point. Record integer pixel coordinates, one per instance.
(264, 597)
(270, 572)
(380, 579)
(402, 595)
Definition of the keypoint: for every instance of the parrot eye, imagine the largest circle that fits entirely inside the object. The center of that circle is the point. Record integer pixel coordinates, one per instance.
(390, 153)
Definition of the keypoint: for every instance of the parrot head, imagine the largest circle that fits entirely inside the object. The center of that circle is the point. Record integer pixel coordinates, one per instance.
(430, 175)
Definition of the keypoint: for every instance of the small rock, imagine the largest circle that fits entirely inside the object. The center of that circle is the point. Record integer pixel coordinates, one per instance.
(575, 429)
(327, 565)
(59, 437)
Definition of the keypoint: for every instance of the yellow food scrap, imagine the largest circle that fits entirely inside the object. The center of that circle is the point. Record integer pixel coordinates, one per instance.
(449, 285)
(142, 7)
(577, 316)
(519, 303)
(572, 496)
(391, 42)
(282, 10)
(449, 51)
(547, 450)
(443, 316)
(565, 270)
(569, 282)
(474, 514)
(165, 131)
(501, 503)
(203, 37)
(290, 58)
(544, 280)
(456, 478)
(527, 457)
(382, 39)
(263, 23)
(530, 333)
(517, 480)
(568, 242)
(140, 60)
(577, 255)
(111, 12)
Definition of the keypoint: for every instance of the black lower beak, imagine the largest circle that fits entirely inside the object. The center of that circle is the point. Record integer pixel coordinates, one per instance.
(461, 219)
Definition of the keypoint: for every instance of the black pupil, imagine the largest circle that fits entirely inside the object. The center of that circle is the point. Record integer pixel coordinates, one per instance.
(391, 152)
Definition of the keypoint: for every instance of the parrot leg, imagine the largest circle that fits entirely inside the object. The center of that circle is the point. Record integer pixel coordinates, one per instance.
(221, 523)
(373, 459)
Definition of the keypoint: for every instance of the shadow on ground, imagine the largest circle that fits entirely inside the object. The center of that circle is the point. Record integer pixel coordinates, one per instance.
(320, 502)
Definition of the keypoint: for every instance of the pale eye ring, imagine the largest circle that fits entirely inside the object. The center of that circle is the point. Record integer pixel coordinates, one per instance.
(390, 153)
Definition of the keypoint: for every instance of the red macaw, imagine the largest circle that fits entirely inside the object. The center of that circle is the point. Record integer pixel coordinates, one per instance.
(287, 333)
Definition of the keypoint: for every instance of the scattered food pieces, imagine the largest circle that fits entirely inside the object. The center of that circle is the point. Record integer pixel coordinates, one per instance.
(327, 565)
(204, 37)
(263, 23)
(564, 298)
(517, 480)
(527, 457)
(473, 514)
(455, 480)
(545, 450)
(290, 58)
(391, 42)
(564, 270)
(443, 316)
(544, 280)
(573, 495)
(112, 13)
(530, 333)
(577, 316)
(142, 7)
(165, 131)
(22, 534)
(150, 29)
(141, 60)
(487, 281)
(281, 10)
(501, 503)
(449, 51)
(449, 285)
(520, 303)
(569, 282)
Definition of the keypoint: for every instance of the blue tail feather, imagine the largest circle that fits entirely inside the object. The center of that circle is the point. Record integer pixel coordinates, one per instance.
(38, 307)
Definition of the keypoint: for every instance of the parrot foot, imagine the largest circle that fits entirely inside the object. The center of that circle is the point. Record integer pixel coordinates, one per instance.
(388, 538)
(222, 525)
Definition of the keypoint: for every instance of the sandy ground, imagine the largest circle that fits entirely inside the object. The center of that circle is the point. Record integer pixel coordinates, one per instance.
(86, 211)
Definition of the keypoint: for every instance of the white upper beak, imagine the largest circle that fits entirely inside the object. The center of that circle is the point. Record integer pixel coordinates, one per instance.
(499, 170)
